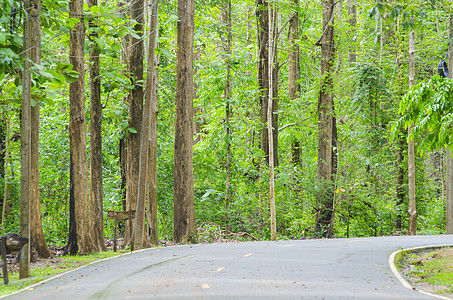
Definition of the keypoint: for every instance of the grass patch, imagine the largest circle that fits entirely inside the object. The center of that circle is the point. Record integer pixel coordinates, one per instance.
(44, 269)
(434, 268)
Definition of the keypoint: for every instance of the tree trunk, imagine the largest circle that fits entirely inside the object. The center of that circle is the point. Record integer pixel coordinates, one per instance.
(135, 67)
(145, 135)
(400, 181)
(184, 207)
(352, 15)
(122, 147)
(152, 168)
(293, 55)
(327, 161)
(38, 242)
(3, 141)
(262, 13)
(122, 158)
(81, 225)
(449, 208)
(5, 174)
(96, 199)
(272, 46)
(25, 147)
(411, 152)
(294, 71)
(226, 45)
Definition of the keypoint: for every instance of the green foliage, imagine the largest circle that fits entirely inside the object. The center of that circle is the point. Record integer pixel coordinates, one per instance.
(429, 107)
(366, 96)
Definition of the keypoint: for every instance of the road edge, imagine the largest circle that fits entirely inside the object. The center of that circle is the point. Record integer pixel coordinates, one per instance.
(395, 257)
(73, 270)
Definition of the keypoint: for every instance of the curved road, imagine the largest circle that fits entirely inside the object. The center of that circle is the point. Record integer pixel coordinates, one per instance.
(306, 269)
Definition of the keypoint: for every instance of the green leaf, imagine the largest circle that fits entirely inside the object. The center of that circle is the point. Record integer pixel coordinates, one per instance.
(94, 9)
(9, 53)
(165, 52)
(132, 130)
(2, 37)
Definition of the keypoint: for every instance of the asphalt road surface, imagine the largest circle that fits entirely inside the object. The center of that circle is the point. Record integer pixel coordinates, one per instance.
(307, 269)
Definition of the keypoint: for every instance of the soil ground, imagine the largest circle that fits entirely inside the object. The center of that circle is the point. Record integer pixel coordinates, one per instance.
(410, 268)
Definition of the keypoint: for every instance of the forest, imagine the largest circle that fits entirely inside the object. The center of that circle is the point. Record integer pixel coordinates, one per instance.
(262, 120)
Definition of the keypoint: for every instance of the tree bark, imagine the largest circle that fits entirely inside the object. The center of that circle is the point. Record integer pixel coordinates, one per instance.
(96, 198)
(327, 142)
(411, 152)
(82, 242)
(38, 242)
(184, 207)
(135, 67)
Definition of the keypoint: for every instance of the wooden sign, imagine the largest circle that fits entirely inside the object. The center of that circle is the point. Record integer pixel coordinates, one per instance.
(120, 216)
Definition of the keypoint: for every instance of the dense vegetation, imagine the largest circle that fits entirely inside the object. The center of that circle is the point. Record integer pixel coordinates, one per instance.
(370, 187)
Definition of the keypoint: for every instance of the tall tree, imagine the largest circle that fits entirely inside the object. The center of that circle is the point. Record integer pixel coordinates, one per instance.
(449, 167)
(96, 199)
(80, 237)
(145, 135)
(227, 43)
(327, 128)
(152, 160)
(293, 55)
(294, 68)
(184, 207)
(411, 151)
(352, 15)
(5, 174)
(152, 168)
(135, 98)
(262, 13)
(272, 47)
(122, 147)
(25, 145)
(38, 242)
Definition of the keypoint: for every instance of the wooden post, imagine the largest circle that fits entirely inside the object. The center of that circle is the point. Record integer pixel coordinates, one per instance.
(130, 227)
(115, 222)
(5, 265)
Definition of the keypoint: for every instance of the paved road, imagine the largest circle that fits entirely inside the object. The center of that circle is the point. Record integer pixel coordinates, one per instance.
(308, 269)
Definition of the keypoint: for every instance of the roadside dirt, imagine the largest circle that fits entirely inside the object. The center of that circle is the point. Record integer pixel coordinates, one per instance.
(409, 264)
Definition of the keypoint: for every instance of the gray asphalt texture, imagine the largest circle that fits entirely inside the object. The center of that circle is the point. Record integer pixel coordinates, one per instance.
(305, 269)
